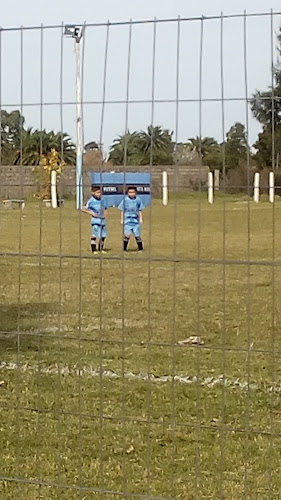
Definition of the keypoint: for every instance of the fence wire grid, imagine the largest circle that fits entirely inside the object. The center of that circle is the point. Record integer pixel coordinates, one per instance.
(149, 375)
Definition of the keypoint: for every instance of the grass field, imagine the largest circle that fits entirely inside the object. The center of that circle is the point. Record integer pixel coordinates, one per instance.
(98, 400)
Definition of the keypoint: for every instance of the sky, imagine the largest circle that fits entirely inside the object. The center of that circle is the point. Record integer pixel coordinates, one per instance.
(38, 65)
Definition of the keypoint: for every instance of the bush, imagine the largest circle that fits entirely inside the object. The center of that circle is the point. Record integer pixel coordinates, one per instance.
(240, 180)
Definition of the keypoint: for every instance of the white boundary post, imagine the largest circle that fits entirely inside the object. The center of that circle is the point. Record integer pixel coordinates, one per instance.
(271, 187)
(54, 189)
(257, 187)
(165, 188)
(210, 187)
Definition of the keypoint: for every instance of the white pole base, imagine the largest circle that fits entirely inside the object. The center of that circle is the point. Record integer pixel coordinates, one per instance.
(165, 188)
(210, 188)
(257, 187)
(54, 189)
(271, 187)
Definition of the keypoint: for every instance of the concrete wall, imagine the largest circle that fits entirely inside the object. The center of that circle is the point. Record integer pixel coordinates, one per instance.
(16, 182)
(19, 182)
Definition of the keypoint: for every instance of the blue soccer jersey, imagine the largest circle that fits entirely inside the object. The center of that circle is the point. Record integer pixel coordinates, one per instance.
(131, 208)
(98, 207)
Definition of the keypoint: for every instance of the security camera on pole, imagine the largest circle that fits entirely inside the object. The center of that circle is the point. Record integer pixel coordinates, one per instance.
(77, 32)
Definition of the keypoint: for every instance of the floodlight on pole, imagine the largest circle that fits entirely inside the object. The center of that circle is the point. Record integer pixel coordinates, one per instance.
(76, 32)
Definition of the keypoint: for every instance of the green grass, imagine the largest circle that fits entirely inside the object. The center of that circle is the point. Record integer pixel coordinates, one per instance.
(80, 417)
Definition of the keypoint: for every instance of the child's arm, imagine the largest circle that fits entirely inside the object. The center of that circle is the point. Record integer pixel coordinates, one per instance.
(121, 208)
(141, 207)
(86, 211)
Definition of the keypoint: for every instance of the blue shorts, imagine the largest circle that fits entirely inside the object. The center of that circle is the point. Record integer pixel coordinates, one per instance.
(99, 231)
(132, 229)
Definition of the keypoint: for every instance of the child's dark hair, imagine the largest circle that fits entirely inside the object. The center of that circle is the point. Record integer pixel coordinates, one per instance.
(131, 188)
(95, 188)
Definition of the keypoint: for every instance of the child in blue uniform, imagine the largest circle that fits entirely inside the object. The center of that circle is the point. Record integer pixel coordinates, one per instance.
(95, 207)
(131, 217)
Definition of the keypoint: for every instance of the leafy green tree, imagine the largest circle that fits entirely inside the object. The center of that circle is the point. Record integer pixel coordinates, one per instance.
(266, 108)
(267, 104)
(11, 131)
(214, 158)
(236, 146)
(264, 149)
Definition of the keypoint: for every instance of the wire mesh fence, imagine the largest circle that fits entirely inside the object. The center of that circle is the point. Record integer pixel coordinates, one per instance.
(141, 374)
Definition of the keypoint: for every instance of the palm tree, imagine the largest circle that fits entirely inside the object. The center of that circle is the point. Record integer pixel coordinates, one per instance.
(156, 146)
(140, 148)
(38, 144)
(203, 145)
(125, 150)
(210, 151)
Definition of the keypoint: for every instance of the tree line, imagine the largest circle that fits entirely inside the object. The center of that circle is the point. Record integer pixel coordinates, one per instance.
(28, 146)
(155, 146)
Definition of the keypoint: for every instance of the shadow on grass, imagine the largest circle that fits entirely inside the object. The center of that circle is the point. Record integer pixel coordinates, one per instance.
(20, 319)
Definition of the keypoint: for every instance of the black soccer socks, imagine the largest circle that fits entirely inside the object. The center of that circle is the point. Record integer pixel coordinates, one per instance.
(93, 245)
(125, 244)
(139, 243)
(101, 244)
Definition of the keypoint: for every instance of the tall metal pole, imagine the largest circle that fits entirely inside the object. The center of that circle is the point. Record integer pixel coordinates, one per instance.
(79, 146)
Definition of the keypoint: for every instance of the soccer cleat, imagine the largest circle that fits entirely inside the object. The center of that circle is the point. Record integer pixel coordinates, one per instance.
(103, 252)
(95, 252)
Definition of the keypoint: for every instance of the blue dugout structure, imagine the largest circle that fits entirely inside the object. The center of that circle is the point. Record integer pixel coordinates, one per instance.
(114, 185)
